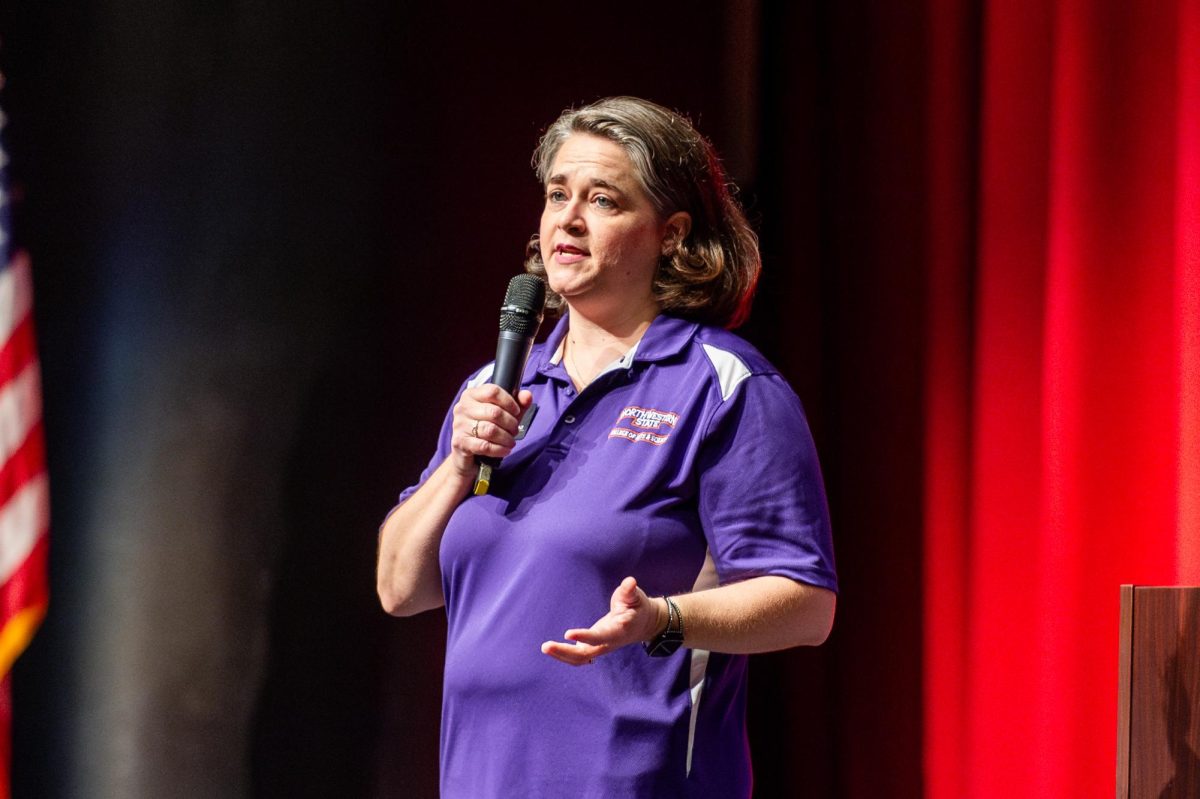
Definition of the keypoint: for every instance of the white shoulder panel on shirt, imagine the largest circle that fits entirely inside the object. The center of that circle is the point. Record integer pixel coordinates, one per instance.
(485, 374)
(730, 369)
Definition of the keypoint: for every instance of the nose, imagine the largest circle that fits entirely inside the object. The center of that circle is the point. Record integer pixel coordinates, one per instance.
(570, 218)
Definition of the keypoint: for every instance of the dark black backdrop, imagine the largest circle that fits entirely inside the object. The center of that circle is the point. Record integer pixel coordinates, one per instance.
(269, 239)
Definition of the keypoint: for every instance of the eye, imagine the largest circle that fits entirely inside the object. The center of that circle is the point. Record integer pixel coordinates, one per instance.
(604, 202)
(556, 196)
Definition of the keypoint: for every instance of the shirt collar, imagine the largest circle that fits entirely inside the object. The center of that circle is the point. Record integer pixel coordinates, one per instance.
(666, 337)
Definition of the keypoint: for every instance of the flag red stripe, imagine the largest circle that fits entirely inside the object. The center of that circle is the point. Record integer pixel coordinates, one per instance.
(27, 462)
(28, 585)
(19, 351)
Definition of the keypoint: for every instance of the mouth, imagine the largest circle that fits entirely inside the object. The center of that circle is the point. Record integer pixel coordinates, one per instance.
(567, 254)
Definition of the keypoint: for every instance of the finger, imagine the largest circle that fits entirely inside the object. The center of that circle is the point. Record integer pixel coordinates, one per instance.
(492, 433)
(480, 429)
(483, 411)
(491, 417)
(610, 626)
(571, 654)
(492, 394)
(601, 640)
(478, 446)
(626, 593)
(472, 445)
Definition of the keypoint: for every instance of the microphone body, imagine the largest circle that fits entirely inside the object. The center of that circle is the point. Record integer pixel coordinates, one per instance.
(520, 318)
(512, 351)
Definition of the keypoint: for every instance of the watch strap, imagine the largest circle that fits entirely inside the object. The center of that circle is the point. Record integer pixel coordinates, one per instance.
(670, 639)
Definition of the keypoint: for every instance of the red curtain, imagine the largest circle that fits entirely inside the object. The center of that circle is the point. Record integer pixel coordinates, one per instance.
(1063, 393)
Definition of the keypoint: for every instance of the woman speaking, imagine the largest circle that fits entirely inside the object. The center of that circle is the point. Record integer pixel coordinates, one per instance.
(662, 516)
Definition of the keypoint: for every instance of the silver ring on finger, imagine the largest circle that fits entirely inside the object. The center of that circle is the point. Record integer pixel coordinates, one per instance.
(475, 429)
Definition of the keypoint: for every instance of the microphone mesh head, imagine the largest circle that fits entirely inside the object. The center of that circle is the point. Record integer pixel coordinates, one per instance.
(523, 304)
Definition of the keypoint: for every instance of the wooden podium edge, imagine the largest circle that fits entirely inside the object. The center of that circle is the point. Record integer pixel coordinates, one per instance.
(1124, 691)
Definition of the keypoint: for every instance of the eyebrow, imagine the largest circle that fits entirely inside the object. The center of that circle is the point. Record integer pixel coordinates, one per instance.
(561, 179)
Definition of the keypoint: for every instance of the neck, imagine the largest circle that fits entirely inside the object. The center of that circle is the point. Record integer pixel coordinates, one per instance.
(591, 344)
(626, 328)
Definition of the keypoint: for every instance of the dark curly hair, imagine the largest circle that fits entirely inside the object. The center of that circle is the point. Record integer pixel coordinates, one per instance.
(711, 275)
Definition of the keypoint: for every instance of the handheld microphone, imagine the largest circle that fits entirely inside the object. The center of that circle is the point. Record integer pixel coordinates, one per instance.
(520, 318)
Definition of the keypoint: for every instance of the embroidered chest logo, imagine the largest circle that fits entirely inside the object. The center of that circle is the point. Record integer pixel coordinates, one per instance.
(644, 424)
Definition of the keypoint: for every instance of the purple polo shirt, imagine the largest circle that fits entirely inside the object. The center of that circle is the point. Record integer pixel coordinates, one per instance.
(692, 445)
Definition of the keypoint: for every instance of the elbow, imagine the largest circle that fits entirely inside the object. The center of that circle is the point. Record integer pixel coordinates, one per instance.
(396, 602)
(394, 598)
(393, 585)
(818, 618)
(403, 597)
(391, 602)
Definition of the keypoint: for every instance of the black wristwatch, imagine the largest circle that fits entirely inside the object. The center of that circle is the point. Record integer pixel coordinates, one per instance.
(670, 639)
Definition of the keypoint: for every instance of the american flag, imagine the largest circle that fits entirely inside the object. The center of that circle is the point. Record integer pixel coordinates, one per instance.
(24, 498)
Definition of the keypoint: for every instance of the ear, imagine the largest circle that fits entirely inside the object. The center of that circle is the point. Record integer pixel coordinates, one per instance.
(675, 230)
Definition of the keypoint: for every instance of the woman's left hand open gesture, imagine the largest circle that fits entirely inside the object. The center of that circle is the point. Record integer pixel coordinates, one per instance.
(632, 617)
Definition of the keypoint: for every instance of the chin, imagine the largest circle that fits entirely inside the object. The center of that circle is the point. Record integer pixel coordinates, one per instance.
(561, 287)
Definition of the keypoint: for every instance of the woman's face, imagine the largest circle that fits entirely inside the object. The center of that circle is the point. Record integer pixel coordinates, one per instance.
(601, 237)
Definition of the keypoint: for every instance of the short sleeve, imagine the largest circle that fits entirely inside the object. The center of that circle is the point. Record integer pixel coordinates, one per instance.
(762, 500)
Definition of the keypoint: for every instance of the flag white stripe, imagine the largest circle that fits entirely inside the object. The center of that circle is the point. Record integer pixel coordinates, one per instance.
(20, 409)
(23, 520)
(16, 295)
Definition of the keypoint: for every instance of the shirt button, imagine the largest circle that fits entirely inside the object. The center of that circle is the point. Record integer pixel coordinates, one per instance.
(569, 419)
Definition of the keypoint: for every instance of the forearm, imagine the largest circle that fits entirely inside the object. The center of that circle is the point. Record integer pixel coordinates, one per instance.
(762, 614)
(408, 577)
(757, 615)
